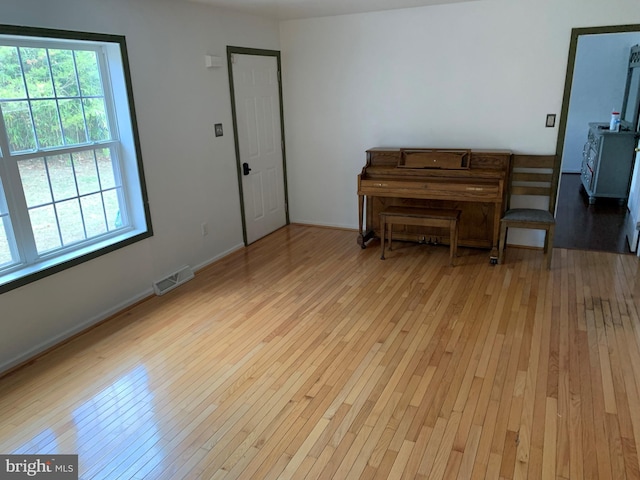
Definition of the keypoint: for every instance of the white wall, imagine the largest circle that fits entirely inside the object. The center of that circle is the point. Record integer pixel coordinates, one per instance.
(479, 74)
(191, 175)
(599, 78)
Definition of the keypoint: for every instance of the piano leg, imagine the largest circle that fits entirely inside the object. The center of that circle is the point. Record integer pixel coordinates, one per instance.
(361, 240)
(364, 238)
(383, 229)
(497, 215)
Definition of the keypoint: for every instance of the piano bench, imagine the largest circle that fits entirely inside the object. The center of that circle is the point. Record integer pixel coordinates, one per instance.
(424, 217)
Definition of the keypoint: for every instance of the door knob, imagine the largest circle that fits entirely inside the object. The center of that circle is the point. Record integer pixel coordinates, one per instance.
(637, 149)
(245, 168)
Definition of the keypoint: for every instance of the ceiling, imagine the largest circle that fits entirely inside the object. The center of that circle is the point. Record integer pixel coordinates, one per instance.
(295, 9)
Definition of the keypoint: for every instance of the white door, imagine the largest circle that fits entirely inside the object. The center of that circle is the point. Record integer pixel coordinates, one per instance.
(257, 105)
(633, 204)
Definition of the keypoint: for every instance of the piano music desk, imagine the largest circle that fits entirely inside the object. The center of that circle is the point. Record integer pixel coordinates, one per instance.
(424, 217)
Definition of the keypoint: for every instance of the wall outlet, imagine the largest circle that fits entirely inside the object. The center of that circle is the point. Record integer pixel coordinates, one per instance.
(205, 229)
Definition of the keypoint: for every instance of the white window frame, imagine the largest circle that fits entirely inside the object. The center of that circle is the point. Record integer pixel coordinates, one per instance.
(124, 147)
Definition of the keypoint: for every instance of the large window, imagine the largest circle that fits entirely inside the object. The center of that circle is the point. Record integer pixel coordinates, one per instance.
(71, 181)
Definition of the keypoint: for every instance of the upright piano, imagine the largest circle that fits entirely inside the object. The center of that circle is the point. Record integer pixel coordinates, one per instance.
(472, 181)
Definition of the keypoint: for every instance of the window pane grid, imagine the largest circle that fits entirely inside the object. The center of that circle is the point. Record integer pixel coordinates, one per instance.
(71, 197)
(63, 224)
(60, 114)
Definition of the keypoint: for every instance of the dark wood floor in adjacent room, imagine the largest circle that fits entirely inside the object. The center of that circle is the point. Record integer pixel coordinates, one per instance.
(304, 356)
(582, 226)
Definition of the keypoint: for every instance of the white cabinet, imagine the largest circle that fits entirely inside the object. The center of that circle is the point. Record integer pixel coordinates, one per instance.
(607, 162)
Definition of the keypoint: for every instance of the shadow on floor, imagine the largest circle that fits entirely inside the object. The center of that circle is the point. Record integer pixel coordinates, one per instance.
(581, 226)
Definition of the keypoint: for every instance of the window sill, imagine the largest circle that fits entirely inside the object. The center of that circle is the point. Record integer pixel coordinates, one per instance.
(31, 273)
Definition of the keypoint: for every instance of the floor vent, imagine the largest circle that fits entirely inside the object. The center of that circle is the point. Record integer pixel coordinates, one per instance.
(172, 281)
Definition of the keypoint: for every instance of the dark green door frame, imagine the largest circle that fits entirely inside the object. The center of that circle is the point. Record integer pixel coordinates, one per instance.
(265, 53)
(562, 126)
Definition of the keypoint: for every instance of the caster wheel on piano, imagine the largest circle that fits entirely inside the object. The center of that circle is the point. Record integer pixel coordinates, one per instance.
(493, 261)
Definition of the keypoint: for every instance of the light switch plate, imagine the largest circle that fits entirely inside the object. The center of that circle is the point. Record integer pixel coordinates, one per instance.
(218, 129)
(551, 120)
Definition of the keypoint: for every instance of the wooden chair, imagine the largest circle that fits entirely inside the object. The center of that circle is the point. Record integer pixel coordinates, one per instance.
(530, 175)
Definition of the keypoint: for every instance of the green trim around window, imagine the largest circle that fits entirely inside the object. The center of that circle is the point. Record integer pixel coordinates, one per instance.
(143, 204)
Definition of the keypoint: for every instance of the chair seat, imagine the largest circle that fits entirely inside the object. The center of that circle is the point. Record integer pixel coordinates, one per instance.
(529, 215)
(531, 175)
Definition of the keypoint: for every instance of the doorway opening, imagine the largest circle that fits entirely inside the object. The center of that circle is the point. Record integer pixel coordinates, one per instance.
(595, 83)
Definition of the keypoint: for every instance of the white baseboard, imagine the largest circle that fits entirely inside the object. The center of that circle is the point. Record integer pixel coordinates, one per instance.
(208, 262)
(61, 337)
(326, 225)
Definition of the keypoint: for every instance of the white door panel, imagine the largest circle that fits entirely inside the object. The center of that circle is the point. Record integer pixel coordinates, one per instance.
(257, 98)
(251, 129)
(633, 204)
(256, 195)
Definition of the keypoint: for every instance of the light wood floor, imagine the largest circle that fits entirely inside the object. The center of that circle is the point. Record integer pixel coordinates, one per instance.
(304, 356)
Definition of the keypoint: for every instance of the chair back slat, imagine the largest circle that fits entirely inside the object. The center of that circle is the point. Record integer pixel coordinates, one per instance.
(528, 190)
(533, 161)
(532, 175)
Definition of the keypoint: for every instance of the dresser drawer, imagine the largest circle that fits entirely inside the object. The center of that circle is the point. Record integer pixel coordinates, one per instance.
(587, 178)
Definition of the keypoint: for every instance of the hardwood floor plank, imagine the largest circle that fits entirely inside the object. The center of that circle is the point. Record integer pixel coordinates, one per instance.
(469, 453)
(400, 463)
(550, 441)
